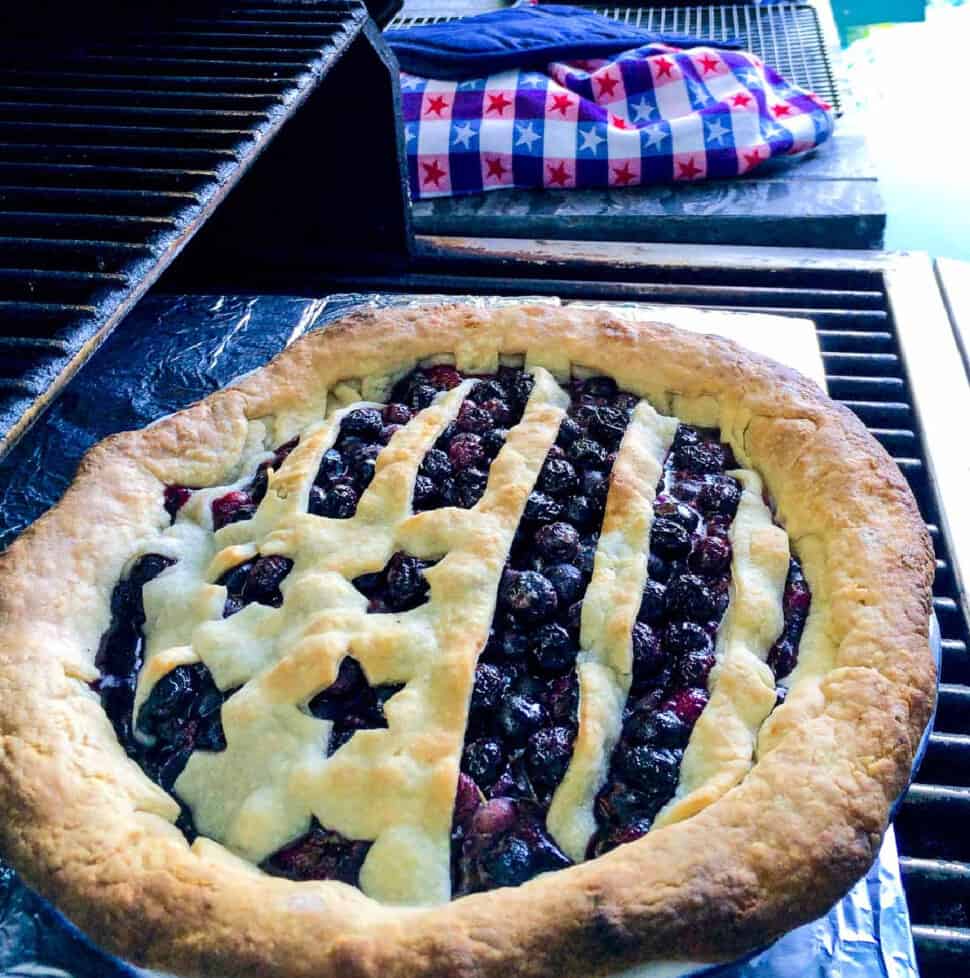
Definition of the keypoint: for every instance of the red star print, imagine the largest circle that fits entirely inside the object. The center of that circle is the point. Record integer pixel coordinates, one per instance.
(741, 99)
(781, 110)
(709, 63)
(664, 67)
(560, 103)
(624, 174)
(495, 168)
(436, 105)
(752, 158)
(619, 123)
(607, 84)
(558, 174)
(498, 103)
(432, 173)
(689, 169)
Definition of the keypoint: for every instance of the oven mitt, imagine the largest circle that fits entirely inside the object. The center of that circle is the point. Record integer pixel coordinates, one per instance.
(473, 47)
(653, 113)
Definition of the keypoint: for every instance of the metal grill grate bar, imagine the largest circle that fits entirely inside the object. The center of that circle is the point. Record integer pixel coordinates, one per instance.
(786, 36)
(113, 150)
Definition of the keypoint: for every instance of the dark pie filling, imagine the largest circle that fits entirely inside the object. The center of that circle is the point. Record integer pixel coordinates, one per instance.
(524, 707)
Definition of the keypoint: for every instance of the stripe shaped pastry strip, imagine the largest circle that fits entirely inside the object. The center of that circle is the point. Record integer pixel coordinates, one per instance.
(395, 785)
(605, 661)
(742, 686)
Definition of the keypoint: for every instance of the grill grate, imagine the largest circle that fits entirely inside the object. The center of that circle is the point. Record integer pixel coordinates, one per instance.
(113, 153)
(786, 36)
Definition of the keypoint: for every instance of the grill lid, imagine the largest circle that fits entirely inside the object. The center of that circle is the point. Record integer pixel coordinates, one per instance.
(114, 151)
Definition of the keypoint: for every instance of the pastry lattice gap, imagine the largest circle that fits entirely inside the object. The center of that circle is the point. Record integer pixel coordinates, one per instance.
(529, 582)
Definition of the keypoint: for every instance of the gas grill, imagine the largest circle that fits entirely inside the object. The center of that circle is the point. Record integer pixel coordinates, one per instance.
(132, 163)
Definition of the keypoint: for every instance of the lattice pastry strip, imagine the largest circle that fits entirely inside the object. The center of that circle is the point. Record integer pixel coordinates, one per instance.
(605, 662)
(742, 686)
(396, 785)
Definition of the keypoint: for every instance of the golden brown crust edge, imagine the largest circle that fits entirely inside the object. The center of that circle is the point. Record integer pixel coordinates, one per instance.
(89, 831)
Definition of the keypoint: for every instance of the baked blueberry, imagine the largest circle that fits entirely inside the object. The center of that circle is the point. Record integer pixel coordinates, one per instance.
(529, 596)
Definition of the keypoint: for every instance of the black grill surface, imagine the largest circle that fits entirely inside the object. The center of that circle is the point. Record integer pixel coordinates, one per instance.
(113, 152)
(786, 36)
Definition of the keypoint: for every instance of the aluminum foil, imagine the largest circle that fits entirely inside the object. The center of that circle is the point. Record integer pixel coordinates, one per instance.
(174, 350)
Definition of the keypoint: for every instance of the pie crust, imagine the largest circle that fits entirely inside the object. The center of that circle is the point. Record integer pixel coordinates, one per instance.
(755, 848)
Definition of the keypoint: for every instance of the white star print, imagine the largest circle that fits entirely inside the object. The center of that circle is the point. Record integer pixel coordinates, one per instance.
(591, 140)
(527, 136)
(699, 95)
(408, 133)
(468, 83)
(531, 80)
(752, 79)
(464, 134)
(409, 82)
(771, 131)
(655, 134)
(716, 132)
(643, 110)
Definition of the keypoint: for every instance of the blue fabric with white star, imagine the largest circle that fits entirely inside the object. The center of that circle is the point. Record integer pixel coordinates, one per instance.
(653, 114)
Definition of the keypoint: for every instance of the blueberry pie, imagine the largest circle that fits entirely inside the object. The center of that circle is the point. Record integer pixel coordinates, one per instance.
(529, 641)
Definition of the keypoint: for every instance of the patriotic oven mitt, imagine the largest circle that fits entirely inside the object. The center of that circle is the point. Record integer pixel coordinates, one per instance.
(667, 109)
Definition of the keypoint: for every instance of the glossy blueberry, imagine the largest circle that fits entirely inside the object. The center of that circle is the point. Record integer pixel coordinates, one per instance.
(508, 862)
(515, 645)
(363, 465)
(683, 637)
(710, 555)
(557, 477)
(530, 596)
(231, 508)
(436, 465)
(365, 423)
(443, 376)
(581, 512)
(586, 453)
(569, 431)
(466, 452)
(600, 387)
(542, 508)
(553, 648)
(396, 413)
(487, 390)
(673, 509)
(669, 540)
(648, 655)
(659, 728)
(491, 683)
(608, 425)
(483, 761)
(338, 502)
(264, 578)
(685, 435)
(701, 458)
(547, 756)
(470, 487)
(619, 804)
(719, 497)
(687, 704)
(619, 835)
(693, 668)
(689, 598)
(556, 542)
(567, 581)
(562, 699)
(421, 396)
(406, 584)
(586, 557)
(653, 603)
(595, 485)
(782, 657)
(333, 466)
(147, 568)
(493, 441)
(472, 418)
(499, 411)
(425, 493)
(519, 716)
(652, 769)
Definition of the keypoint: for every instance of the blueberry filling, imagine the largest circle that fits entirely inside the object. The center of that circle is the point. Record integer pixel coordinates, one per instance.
(182, 713)
(320, 854)
(255, 580)
(454, 472)
(351, 703)
(400, 586)
(238, 504)
(347, 467)
(523, 713)
(682, 605)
